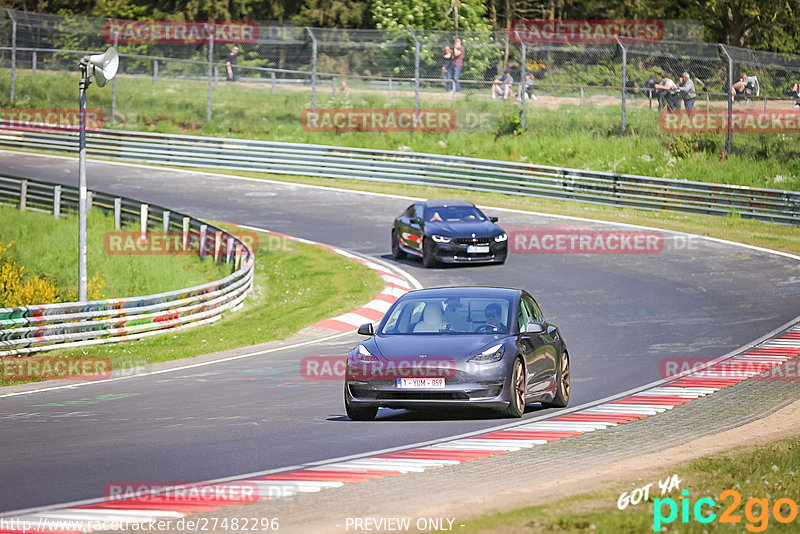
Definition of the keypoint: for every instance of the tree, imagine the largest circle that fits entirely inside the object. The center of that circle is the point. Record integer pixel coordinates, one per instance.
(334, 14)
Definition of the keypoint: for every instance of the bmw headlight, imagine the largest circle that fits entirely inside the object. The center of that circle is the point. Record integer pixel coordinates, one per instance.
(441, 238)
(500, 238)
(490, 355)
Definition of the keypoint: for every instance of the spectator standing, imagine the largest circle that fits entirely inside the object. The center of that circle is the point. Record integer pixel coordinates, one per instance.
(666, 94)
(232, 66)
(458, 63)
(501, 88)
(796, 94)
(527, 87)
(447, 68)
(687, 89)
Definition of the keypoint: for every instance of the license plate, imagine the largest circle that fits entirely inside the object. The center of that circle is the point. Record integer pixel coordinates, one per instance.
(420, 383)
(476, 249)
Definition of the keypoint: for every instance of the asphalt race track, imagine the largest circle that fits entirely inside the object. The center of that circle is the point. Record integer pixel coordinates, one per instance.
(621, 315)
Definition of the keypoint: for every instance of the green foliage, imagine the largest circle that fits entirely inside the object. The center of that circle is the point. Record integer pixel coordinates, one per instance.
(510, 125)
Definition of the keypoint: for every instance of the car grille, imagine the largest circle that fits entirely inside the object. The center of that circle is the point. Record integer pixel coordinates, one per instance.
(473, 240)
(422, 395)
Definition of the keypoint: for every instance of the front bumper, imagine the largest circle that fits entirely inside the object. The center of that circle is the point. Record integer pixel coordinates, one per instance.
(454, 252)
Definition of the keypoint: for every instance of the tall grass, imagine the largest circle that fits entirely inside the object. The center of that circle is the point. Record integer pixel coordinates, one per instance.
(570, 135)
(48, 248)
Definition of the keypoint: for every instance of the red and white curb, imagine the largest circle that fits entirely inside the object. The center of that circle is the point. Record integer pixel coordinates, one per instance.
(662, 396)
(396, 286)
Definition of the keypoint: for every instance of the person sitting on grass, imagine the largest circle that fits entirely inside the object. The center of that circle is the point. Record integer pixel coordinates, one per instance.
(747, 86)
(501, 88)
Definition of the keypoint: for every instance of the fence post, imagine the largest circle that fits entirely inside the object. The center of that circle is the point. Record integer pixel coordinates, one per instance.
(229, 249)
(23, 194)
(155, 71)
(13, 53)
(624, 83)
(143, 224)
(273, 82)
(117, 213)
(57, 202)
(729, 145)
(210, 76)
(216, 75)
(217, 245)
(33, 62)
(89, 201)
(416, 70)
(114, 83)
(333, 85)
(581, 95)
(390, 90)
(203, 231)
(313, 68)
(522, 93)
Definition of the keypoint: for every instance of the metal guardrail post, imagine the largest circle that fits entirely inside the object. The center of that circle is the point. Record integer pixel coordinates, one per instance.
(416, 70)
(729, 145)
(203, 232)
(228, 249)
(624, 82)
(313, 68)
(117, 213)
(165, 217)
(210, 76)
(143, 214)
(57, 202)
(185, 226)
(13, 54)
(23, 194)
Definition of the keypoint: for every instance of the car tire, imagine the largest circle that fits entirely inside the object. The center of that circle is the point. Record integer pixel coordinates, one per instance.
(359, 413)
(428, 260)
(516, 405)
(397, 252)
(561, 398)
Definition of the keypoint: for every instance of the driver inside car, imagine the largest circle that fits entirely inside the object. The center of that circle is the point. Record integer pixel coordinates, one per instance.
(492, 313)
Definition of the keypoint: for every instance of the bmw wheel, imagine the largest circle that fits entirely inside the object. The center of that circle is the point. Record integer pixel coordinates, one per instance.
(428, 260)
(397, 252)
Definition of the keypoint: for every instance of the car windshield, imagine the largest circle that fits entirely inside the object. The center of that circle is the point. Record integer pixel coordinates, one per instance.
(453, 315)
(453, 214)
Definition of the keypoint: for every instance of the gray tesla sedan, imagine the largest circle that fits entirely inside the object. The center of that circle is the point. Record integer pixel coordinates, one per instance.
(458, 346)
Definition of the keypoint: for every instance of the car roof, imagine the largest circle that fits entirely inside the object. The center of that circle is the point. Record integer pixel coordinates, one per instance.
(443, 203)
(465, 291)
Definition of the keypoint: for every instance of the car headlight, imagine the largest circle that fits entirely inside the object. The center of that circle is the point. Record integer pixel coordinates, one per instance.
(500, 238)
(362, 355)
(490, 355)
(441, 238)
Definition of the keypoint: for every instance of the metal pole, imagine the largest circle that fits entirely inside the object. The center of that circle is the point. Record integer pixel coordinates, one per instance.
(114, 83)
(313, 68)
(522, 92)
(155, 71)
(729, 145)
(13, 53)
(624, 84)
(416, 70)
(82, 279)
(33, 62)
(210, 77)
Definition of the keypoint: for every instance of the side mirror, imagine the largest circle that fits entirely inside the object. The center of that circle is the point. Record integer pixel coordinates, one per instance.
(366, 330)
(494, 219)
(534, 328)
(415, 220)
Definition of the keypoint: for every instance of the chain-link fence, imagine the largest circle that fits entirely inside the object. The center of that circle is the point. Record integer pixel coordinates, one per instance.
(286, 82)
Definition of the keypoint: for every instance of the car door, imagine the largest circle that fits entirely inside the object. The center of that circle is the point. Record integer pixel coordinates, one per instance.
(549, 337)
(534, 346)
(412, 236)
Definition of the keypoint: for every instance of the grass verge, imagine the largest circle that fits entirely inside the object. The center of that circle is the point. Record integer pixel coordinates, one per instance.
(760, 476)
(558, 133)
(48, 248)
(295, 285)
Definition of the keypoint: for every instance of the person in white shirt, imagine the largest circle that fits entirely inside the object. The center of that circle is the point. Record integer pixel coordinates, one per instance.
(667, 90)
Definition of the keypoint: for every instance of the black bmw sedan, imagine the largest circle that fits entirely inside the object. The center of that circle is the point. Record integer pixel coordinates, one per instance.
(458, 346)
(448, 231)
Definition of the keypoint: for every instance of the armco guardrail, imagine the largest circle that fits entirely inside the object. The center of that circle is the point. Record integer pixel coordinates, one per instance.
(622, 190)
(28, 329)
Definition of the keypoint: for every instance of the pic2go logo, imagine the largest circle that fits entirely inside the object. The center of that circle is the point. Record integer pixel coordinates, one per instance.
(756, 511)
